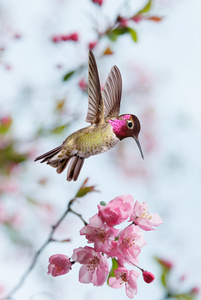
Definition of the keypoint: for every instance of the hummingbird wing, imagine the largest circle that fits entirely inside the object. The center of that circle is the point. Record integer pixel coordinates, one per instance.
(112, 93)
(95, 112)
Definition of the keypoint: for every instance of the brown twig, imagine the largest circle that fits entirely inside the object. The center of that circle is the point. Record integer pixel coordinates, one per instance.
(37, 254)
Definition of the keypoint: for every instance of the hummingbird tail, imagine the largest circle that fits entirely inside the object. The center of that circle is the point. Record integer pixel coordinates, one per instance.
(60, 164)
(48, 155)
(74, 168)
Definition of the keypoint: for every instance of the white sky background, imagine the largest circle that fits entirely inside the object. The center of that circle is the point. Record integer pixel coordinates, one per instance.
(170, 53)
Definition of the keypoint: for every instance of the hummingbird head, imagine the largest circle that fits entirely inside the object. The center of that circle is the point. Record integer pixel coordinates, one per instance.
(127, 126)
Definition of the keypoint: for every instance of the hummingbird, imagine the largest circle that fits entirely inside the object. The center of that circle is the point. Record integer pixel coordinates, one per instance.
(107, 126)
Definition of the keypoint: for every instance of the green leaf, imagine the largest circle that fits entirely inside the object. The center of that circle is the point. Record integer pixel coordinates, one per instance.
(165, 270)
(68, 75)
(32, 201)
(5, 124)
(164, 263)
(133, 34)
(164, 276)
(114, 267)
(146, 8)
(102, 203)
(84, 189)
(59, 129)
(9, 156)
(182, 297)
(115, 33)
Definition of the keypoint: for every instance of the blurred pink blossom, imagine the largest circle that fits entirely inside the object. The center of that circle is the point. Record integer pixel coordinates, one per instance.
(3, 214)
(17, 36)
(93, 45)
(122, 21)
(59, 264)
(56, 38)
(143, 218)
(195, 290)
(2, 289)
(7, 66)
(70, 37)
(16, 220)
(8, 186)
(99, 2)
(124, 276)
(95, 267)
(67, 37)
(137, 18)
(166, 263)
(83, 85)
(6, 120)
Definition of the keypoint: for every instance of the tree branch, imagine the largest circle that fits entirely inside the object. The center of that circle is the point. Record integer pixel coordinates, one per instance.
(37, 254)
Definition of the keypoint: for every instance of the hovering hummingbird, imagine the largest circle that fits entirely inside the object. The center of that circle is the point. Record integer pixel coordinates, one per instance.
(106, 130)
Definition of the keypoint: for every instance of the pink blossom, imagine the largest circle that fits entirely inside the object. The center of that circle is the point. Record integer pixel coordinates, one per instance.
(56, 38)
(92, 45)
(117, 210)
(99, 233)
(122, 275)
(148, 276)
(195, 290)
(122, 21)
(114, 252)
(8, 186)
(59, 265)
(7, 66)
(6, 121)
(166, 263)
(143, 218)
(95, 267)
(99, 2)
(70, 37)
(83, 85)
(2, 290)
(130, 243)
(67, 37)
(17, 36)
(137, 18)
(3, 214)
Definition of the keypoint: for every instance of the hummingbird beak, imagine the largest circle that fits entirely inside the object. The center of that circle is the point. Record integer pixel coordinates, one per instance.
(138, 143)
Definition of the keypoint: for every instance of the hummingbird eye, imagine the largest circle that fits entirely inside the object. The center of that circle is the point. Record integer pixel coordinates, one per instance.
(130, 124)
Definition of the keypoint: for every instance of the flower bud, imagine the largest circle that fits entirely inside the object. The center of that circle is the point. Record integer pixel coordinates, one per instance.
(148, 276)
(59, 264)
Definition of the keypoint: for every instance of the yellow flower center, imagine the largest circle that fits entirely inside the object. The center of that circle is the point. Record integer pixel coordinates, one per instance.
(146, 214)
(93, 263)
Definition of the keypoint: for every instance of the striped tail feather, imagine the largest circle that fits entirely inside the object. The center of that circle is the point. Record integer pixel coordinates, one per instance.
(60, 164)
(74, 168)
(48, 155)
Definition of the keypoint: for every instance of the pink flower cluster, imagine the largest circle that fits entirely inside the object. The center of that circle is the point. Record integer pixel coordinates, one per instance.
(123, 245)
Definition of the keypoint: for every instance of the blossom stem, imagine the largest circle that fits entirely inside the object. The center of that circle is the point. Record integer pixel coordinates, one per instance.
(79, 215)
(142, 270)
